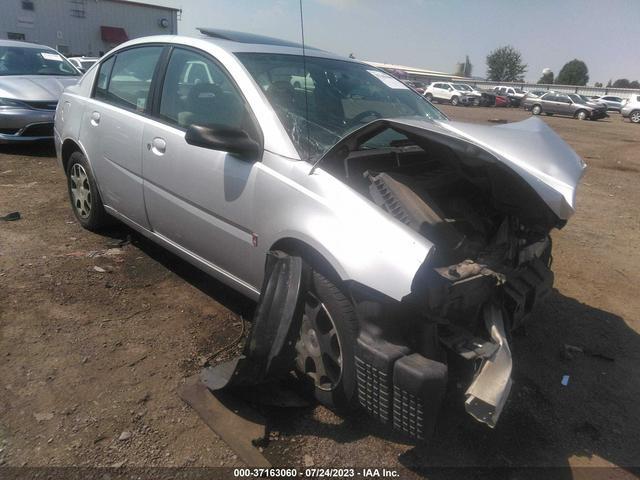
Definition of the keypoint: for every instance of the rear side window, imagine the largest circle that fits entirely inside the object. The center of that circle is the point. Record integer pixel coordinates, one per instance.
(103, 78)
(130, 78)
(197, 91)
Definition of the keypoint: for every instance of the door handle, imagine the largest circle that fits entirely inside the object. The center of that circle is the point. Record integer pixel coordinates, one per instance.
(95, 118)
(158, 146)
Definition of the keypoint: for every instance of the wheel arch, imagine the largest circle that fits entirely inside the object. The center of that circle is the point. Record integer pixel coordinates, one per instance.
(69, 147)
(321, 261)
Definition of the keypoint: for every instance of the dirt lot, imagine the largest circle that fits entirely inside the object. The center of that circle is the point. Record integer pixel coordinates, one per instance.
(87, 355)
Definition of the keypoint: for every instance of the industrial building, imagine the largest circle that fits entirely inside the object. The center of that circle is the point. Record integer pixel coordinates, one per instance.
(85, 27)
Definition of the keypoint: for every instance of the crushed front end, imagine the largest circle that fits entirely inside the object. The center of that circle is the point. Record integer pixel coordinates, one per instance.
(489, 268)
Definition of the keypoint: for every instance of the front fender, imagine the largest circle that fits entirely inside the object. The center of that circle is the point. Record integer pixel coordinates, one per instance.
(358, 239)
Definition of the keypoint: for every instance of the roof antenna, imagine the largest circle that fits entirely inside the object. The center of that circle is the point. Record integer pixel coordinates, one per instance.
(304, 74)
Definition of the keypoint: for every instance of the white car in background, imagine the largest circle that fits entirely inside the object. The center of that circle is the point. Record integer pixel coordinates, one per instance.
(470, 91)
(448, 92)
(631, 108)
(612, 102)
(83, 63)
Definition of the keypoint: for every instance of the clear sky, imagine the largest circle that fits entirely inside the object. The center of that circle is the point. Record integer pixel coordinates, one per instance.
(436, 34)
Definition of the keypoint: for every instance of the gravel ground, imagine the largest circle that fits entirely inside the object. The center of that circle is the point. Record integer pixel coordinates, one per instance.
(92, 357)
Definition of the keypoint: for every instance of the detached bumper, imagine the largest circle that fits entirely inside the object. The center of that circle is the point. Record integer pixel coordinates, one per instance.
(19, 125)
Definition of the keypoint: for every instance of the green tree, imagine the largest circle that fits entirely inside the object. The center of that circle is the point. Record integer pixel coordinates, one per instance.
(546, 78)
(609, 83)
(504, 64)
(598, 84)
(574, 72)
(634, 84)
(621, 83)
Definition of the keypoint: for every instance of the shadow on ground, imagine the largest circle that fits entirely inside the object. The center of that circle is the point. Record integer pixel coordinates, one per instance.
(36, 149)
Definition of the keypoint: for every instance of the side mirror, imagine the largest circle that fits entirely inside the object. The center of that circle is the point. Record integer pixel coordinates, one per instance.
(226, 139)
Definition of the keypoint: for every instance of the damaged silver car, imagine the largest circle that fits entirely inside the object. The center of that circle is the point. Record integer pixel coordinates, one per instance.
(379, 237)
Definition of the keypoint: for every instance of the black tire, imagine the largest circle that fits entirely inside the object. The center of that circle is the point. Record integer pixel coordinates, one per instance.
(455, 100)
(634, 116)
(536, 109)
(341, 394)
(89, 211)
(581, 115)
(429, 97)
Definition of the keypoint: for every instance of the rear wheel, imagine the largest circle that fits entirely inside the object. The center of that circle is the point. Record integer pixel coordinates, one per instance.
(536, 110)
(325, 346)
(635, 116)
(83, 194)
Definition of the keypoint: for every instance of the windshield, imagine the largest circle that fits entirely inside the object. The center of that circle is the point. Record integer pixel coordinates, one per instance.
(462, 87)
(33, 61)
(332, 98)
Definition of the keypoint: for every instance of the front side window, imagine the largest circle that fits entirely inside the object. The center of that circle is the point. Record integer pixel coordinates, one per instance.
(130, 78)
(341, 97)
(197, 91)
(34, 61)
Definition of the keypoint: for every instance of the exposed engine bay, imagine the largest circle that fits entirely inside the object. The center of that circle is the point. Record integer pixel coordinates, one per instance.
(489, 267)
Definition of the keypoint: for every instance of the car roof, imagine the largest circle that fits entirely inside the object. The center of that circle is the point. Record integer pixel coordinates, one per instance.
(18, 43)
(238, 42)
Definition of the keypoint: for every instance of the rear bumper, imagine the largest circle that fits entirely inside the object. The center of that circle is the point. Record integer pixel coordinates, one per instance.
(19, 125)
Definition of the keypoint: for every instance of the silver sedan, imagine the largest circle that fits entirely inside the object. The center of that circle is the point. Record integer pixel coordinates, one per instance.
(378, 236)
(32, 78)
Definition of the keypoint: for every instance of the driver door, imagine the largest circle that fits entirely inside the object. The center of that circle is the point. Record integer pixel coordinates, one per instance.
(198, 199)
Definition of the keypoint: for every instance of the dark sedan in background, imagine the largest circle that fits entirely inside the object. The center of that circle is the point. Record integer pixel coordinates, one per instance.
(555, 103)
(32, 78)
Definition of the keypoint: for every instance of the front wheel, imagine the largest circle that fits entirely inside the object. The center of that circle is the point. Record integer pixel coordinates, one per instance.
(581, 115)
(536, 110)
(429, 97)
(454, 101)
(83, 194)
(325, 356)
(635, 116)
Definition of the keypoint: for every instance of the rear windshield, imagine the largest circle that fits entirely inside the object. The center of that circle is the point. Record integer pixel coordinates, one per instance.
(34, 61)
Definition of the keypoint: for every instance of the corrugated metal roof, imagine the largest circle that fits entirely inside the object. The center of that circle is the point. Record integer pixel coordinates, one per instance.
(155, 3)
(416, 71)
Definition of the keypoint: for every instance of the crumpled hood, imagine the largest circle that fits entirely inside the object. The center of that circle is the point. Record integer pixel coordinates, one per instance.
(536, 152)
(35, 88)
(530, 148)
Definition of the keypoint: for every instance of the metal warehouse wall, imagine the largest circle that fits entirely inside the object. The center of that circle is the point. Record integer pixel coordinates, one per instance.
(75, 24)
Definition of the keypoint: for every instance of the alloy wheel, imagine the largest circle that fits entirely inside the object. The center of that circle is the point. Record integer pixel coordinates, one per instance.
(635, 117)
(318, 350)
(80, 190)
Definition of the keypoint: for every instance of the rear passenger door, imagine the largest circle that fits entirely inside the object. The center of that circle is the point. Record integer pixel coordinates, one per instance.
(112, 127)
(200, 199)
(564, 105)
